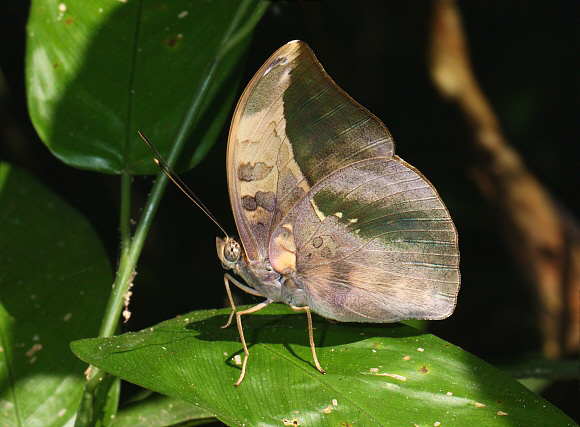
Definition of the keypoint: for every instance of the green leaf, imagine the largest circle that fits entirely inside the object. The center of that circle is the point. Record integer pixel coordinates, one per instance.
(96, 72)
(376, 374)
(159, 410)
(54, 281)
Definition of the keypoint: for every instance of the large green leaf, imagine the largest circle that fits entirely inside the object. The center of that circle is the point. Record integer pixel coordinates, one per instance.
(376, 374)
(54, 281)
(98, 71)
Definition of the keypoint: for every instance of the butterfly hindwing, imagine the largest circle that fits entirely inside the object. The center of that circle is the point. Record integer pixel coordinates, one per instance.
(372, 242)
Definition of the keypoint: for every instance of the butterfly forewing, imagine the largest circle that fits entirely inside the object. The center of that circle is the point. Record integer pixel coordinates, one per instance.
(292, 127)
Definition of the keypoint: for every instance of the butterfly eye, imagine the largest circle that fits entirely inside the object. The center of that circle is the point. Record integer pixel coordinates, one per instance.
(232, 251)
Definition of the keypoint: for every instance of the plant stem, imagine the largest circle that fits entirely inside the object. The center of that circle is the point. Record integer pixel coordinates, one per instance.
(121, 285)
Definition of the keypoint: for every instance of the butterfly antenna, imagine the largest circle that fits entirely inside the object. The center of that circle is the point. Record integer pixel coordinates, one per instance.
(179, 183)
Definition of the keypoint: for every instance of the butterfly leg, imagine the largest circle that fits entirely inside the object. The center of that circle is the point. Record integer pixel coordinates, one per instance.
(241, 332)
(227, 279)
(310, 334)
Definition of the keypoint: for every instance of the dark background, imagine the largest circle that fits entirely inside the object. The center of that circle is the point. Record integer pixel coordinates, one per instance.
(526, 58)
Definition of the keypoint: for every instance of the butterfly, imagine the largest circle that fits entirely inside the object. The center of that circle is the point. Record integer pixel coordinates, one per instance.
(330, 220)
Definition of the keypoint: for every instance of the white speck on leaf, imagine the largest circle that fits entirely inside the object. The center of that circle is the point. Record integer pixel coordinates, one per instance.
(183, 14)
(395, 376)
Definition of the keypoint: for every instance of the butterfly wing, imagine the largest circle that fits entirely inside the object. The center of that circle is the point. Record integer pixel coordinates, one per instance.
(292, 127)
(371, 242)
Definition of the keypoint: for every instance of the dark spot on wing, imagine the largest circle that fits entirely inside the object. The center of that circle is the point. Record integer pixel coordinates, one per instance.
(266, 200)
(249, 203)
(247, 172)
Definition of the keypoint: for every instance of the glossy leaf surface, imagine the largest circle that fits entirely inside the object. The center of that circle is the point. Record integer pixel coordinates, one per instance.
(99, 71)
(376, 374)
(54, 281)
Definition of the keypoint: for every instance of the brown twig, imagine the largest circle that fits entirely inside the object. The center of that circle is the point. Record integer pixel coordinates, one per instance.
(544, 241)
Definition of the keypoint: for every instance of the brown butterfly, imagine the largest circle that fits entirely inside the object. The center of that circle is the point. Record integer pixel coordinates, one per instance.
(330, 219)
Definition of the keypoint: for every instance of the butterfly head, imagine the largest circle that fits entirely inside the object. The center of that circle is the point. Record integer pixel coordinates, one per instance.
(229, 251)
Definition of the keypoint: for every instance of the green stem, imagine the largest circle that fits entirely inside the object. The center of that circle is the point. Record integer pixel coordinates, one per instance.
(85, 414)
(121, 285)
(125, 214)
